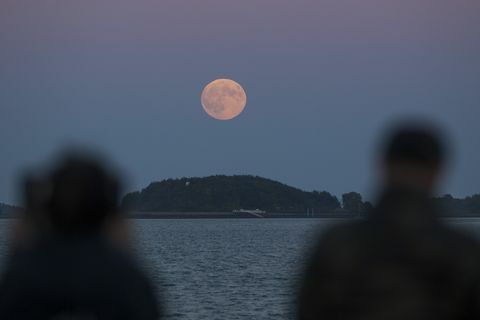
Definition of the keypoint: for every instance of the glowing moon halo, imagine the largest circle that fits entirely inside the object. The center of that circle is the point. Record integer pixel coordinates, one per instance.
(223, 99)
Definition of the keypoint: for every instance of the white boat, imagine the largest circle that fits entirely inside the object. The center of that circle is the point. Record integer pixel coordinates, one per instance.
(256, 211)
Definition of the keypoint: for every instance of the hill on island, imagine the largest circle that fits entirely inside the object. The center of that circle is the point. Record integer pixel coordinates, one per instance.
(222, 193)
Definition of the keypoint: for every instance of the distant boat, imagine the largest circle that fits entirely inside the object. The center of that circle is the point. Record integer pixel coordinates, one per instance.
(256, 211)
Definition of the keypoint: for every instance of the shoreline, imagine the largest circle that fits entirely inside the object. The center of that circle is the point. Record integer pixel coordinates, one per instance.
(230, 215)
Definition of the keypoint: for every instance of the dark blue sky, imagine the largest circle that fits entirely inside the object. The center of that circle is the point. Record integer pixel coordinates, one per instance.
(323, 79)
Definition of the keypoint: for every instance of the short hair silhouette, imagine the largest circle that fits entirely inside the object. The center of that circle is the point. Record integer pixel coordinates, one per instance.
(415, 144)
(83, 194)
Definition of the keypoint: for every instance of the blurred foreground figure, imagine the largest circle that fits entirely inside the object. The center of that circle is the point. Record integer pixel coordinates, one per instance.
(70, 257)
(401, 262)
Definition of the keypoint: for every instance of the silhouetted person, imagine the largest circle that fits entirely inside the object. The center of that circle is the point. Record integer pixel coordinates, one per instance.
(70, 259)
(401, 262)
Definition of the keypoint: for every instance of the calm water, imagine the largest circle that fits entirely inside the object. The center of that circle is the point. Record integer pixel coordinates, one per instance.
(229, 269)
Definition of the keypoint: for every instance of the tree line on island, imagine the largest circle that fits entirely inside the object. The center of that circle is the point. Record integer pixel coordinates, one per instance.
(222, 193)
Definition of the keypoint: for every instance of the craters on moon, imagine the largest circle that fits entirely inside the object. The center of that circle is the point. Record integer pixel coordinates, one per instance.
(223, 99)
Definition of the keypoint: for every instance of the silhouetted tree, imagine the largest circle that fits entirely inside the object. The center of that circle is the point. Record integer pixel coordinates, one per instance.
(367, 207)
(473, 203)
(352, 202)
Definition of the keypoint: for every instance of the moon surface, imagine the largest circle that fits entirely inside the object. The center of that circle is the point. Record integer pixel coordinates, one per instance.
(223, 99)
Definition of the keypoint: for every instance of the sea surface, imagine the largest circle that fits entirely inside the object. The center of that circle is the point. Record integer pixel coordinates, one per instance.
(228, 268)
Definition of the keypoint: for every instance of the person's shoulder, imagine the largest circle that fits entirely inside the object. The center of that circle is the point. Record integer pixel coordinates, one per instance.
(121, 261)
(458, 240)
(133, 282)
(343, 239)
(344, 232)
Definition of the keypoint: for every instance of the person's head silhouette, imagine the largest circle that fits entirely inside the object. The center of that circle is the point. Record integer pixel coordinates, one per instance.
(413, 157)
(84, 195)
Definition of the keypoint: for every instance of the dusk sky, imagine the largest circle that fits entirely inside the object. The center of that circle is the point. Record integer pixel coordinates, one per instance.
(323, 79)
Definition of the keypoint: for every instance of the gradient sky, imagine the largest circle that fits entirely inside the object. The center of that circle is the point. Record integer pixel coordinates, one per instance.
(323, 79)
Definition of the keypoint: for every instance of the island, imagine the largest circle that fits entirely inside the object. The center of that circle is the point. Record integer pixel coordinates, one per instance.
(248, 196)
(236, 196)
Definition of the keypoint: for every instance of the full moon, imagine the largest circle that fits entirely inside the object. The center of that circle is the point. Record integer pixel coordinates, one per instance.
(223, 99)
